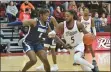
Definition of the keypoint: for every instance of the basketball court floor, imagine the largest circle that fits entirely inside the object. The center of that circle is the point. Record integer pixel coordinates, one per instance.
(16, 61)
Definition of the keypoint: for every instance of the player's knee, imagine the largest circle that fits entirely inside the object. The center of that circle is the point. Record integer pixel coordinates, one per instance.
(33, 61)
(76, 58)
(45, 60)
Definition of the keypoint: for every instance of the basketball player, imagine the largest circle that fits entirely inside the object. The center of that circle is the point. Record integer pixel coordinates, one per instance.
(89, 25)
(88, 22)
(32, 43)
(50, 43)
(71, 29)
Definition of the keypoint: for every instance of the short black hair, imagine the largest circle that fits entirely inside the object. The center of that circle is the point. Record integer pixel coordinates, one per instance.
(74, 13)
(43, 11)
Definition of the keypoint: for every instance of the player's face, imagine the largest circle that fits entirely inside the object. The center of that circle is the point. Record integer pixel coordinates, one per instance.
(45, 16)
(68, 17)
(86, 12)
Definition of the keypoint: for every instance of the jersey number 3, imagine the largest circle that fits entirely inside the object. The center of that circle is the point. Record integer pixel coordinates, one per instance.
(72, 39)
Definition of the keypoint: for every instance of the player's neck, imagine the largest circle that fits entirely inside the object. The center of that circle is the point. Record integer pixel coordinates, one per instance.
(42, 22)
(70, 24)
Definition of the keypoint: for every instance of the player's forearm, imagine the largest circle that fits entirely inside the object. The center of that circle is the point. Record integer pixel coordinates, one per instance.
(16, 23)
(94, 30)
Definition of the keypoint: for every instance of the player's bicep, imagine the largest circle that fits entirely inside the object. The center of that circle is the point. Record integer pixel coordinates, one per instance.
(60, 28)
(54, 21)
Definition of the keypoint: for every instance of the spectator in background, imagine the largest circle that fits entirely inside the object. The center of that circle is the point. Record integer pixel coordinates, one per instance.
(81, 9)
(104, 21)
(97, 22)
(58, 14)
(22, 33)
(25, 5)
(11, 11)
(24, 15)
(72, 6)
(2, 10)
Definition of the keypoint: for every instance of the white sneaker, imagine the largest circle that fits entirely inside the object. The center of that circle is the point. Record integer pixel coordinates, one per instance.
(64, 50)
(41, 67)
(59, 50)
(54, 68)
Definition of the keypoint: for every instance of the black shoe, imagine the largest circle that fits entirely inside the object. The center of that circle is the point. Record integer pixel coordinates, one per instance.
(76, 64)
(95, 66)
(95, 69)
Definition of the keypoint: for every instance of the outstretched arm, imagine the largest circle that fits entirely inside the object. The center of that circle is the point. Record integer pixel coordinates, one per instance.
(30, 22)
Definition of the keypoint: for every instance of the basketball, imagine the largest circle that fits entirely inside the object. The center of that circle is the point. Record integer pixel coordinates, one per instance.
(88, 39)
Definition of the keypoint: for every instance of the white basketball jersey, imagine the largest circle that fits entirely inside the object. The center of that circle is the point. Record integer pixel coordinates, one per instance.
(73, 36)
(86, 23)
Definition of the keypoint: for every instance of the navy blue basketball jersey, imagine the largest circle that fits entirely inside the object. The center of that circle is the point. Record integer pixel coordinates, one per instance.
(35, 34)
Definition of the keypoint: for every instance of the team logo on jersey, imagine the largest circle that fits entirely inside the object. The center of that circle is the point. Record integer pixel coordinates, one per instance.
(41, 30)
(68, 33)
(86, 23)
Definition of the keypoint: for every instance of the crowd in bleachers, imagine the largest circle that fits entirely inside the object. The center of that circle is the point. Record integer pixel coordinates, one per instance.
(25, 10)
(21, 10)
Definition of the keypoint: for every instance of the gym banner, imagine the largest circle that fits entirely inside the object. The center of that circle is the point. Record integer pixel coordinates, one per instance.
(102, 43)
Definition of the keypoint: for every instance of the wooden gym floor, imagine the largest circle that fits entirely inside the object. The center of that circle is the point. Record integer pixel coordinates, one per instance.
(15, 62)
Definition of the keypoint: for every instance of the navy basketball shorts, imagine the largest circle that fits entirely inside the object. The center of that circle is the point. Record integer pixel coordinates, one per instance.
(32, 46)
(50, 42)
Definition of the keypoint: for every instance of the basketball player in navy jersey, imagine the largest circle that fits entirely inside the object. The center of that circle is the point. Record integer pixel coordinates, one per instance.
(32, 42)
(71, 30)
(50, 43)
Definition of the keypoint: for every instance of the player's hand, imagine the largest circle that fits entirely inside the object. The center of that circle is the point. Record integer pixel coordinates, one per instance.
(93, 36)
(67, 46)
(52, 34)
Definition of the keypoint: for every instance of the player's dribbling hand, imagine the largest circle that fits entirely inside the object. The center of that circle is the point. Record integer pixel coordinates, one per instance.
(93, 36)
(52, 34)
(67, 46)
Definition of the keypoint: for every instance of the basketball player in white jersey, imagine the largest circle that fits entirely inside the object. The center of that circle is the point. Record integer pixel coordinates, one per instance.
(71, 29)
(88, 22)
(89, 25)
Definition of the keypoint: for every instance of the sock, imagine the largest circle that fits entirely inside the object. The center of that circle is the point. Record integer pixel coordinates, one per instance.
(94, 58)
(78, 59)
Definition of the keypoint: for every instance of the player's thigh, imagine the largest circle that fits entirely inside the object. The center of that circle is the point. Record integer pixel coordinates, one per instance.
(42, 55)
(29, 50)
(32, 56)
(79, 47)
